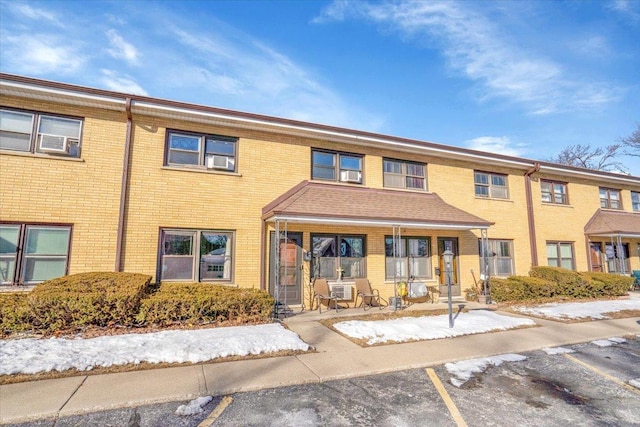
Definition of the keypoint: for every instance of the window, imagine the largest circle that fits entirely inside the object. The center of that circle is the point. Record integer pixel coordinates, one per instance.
(491, 185)
(635, 201)
(414, 258)
(333, 252)
(402, 174)
(201, 151)
(499, 255)
(610, 199)
(554, 192)
(560, 254)
(196, 255)
(32, 253)
(40, 133)
(617, 257)
(332, 166)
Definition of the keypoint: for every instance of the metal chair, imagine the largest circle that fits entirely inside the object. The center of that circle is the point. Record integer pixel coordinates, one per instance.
(323, 294)
(370, 297)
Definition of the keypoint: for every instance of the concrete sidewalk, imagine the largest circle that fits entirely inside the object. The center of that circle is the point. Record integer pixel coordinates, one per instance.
(335, 358)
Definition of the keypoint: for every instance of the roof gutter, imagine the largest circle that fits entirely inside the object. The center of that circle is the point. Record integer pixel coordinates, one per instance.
(530, 217)
(376, 222)
(124, 187)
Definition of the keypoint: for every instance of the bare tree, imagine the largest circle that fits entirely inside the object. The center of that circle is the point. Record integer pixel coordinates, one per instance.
(585, 156)
(631, 143)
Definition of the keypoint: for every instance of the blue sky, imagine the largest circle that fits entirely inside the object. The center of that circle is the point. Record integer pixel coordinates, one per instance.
(524, 78)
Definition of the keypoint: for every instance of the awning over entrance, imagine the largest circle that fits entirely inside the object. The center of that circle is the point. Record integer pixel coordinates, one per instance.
(605, 223)
(311, 202)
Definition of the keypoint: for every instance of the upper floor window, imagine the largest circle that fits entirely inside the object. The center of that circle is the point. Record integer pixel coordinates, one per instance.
(610, 199)
(403, 174)
(635, 201)
(40, 133)
(491, 185)
(199, 150)
(334, 166)
(554, 192)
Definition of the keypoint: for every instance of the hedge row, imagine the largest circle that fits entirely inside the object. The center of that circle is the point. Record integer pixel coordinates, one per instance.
(545, 283)
(194, 303)
(126, 299)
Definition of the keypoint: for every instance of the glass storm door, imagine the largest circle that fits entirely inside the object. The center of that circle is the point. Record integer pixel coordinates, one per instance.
(450, 243)
(290, 273)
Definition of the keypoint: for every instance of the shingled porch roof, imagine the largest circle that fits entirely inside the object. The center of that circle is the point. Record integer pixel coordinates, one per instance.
(312, 202)
(613, 223)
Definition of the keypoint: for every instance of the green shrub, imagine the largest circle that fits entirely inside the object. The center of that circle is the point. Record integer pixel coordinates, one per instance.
(203, 303)
(14, 313)
(98, 299)
(552, 283)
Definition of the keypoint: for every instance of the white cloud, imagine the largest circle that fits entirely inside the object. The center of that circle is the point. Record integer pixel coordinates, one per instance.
(39, 54)
(121, 49)
(34, 13)
(497, 145)
(112, 80)
(627, 8)
(477, 47)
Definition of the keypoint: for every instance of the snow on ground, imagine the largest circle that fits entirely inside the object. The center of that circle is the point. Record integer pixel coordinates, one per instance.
(557, 350)
(194, 407)
(30, 356)
(463, 371)
(635, 383)
(429, 327)
(609, 342)
(581, 310)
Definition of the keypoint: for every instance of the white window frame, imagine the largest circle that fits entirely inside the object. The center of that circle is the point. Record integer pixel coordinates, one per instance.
(495, 256)
(559, 258)
(72, 142)
(493, 190)
(404, 174)
(405, 268)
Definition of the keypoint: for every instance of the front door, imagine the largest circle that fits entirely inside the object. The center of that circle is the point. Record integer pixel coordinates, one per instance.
(290, 272)
(450, 243)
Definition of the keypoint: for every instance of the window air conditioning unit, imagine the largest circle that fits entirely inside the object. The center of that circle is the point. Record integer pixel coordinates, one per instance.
(341, 292)
(54, 143)
(350, 176)
(217, 162)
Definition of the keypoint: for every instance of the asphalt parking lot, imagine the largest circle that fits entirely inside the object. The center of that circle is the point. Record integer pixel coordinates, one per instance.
(588, 387)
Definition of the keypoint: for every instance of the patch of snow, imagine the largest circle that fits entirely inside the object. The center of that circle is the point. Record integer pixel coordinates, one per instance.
(581, 310)
(617, 340)
(30, 356)
(463, 371)
(558, 350)
(194, 407)
(635, 383)
(603, 343)
(429, 327)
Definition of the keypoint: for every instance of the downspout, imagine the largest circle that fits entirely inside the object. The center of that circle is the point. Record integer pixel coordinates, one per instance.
(530, 218)
(124, 186)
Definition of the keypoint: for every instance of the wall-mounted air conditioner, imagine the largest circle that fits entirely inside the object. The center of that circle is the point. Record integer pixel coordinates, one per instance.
(341, 292)
(54, 143)
(217, 162)
(350, 176)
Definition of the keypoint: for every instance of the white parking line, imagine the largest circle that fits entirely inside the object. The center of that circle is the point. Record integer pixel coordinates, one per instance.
(453, 409)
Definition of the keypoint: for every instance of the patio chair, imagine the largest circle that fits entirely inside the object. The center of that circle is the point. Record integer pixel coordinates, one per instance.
(636, 280)
(323, 294)
(369, 297)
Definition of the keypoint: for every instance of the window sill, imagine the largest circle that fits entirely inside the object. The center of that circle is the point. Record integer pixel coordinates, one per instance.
(16, 288)
(408, 190)
(328, 181)
(203, 170)
(559, 205)
(493, 199)
(40, 156)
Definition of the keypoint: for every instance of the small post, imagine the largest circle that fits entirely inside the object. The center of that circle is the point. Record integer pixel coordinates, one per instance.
(448, 261)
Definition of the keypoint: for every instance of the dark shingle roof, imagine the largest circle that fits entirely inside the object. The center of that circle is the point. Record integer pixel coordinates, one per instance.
(312, 200)
(613, 223)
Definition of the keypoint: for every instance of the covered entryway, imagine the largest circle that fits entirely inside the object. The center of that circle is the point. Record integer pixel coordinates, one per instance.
(319, 207)
(288, 269)
(610, 236)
